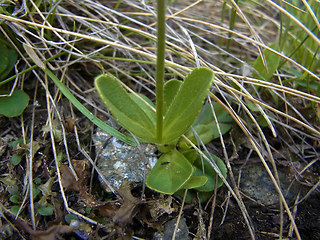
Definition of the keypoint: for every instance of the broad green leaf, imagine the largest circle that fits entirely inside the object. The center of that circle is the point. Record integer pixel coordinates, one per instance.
(70, 217)
(187, 103)
(142, 101)
(4, 60)
(191, 155)
(272, 63)
(46, 210)
(12, 58)
(195, 181)
(164, 148)
(170, 173)
(15, 198)
(171, 88)
(206, 127)
(209, 172)
(15, 104)
(15, 159)
(192, 194)
(15, 209)
(35, 192)
(130, 114)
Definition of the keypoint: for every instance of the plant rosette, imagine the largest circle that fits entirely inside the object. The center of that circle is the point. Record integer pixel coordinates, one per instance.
(177, 167)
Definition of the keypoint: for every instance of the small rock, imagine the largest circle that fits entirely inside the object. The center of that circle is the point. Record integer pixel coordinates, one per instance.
(181, 234)
(119, 161)
(255, 182)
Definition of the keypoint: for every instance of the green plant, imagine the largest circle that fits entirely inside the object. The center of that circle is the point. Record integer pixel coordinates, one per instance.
(8, 58)
(11, 104)
(301, 45)
(299, 40)
(178, 104)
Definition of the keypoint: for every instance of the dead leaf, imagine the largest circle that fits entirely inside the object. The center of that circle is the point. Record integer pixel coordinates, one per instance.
(69, 123)
(68, 180)
(160, 206)
(109, 209)
(82, 169)
(56, 128)
(88, 200)
(122, 212)
(128, 207)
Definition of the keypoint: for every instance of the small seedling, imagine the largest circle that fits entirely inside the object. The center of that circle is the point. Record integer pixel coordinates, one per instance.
(178, 103)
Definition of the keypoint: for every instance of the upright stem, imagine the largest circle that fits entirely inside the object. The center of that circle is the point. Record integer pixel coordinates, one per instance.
(161, 29)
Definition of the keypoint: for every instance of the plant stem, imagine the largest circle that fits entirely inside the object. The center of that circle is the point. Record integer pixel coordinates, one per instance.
(161, 29)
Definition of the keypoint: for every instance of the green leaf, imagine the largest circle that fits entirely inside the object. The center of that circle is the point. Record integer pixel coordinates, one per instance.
(171, 88)
(209, 172)
(46, 210)
(15, 209)
(191, 155)
(192, 194)
(187, 103)
(204, 191)
(253, 107)
(130, 114)
(170, 173)
(4, 59)
(37, 181)
(12, 59)
(272, 63)
(18, 142)
(14, 105)
(195, 181)
(206, 127)
(142, 101)
(15, 199)
(15, 159)
(36, 191)
(70, 217)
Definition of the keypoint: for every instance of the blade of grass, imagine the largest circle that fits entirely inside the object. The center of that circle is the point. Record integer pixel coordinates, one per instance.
(231, 25)
(99, 123)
